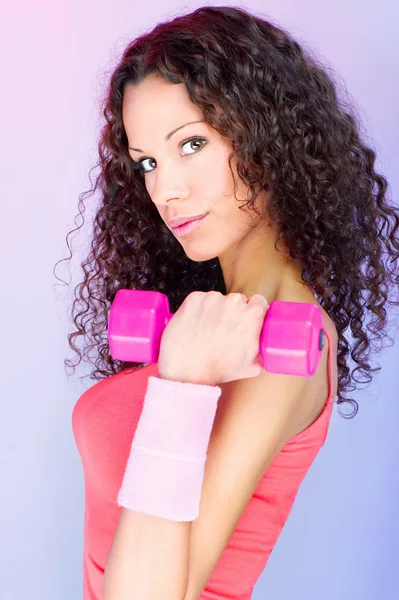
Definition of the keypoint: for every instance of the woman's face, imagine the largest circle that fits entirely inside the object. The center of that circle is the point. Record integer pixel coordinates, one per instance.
(185, 178)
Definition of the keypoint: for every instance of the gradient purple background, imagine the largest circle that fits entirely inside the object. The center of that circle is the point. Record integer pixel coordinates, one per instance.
(341, 539)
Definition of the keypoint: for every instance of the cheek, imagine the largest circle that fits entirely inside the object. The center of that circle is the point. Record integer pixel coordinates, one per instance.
(230, 200)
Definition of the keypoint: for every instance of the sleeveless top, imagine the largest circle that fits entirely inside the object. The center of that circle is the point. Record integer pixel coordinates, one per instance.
(104, 420)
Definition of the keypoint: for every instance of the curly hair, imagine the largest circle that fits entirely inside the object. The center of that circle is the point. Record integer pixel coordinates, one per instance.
(258, 87)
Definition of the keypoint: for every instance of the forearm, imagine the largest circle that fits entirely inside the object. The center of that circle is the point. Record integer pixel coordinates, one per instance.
(148, 558)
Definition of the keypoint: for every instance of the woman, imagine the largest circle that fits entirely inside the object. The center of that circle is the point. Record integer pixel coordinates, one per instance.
(220, 114)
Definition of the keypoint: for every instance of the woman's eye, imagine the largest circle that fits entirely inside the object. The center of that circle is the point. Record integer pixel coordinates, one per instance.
(139, 165)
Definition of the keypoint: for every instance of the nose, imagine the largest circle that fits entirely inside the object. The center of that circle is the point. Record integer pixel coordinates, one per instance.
(166, 188)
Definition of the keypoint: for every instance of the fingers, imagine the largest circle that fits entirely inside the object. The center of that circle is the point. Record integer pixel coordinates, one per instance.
(254, 299)
(260, 300)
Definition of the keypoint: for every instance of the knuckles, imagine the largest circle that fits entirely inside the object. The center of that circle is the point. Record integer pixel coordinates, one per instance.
(215, 297)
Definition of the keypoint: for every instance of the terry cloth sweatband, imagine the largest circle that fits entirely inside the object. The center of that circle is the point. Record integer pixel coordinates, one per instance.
(165, 469)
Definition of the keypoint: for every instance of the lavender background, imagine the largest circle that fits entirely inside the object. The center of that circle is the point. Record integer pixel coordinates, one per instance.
(341, 539)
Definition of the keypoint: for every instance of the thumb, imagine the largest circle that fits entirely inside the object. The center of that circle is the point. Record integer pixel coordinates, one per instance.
(259, 299)
(255, 369)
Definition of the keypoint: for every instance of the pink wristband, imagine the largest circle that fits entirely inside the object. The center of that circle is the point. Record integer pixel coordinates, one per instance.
(165, 469)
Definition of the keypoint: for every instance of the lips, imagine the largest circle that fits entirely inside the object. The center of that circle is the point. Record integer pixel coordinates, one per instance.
(187, 228)
(187, 222)
(180, 221)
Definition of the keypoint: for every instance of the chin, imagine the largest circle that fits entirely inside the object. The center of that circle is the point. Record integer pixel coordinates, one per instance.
(197, 256)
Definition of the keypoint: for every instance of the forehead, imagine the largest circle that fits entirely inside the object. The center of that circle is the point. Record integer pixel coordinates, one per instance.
(157, 103)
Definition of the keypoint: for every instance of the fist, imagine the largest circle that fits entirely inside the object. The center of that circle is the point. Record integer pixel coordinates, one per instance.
(213, 339)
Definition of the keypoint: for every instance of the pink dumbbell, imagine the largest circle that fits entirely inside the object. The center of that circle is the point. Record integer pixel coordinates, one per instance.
(291, 340)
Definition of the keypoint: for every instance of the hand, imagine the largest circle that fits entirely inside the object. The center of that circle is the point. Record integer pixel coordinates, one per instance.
(213, 339)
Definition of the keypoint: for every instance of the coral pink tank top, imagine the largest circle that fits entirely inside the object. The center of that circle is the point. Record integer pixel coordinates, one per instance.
(104, 421)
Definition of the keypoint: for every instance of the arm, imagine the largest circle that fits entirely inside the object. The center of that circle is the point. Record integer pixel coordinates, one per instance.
(254, 421)
(161, 492)
(148, 558)
(255, 418)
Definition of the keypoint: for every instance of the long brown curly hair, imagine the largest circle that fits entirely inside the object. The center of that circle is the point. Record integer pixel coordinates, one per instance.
(257, 86)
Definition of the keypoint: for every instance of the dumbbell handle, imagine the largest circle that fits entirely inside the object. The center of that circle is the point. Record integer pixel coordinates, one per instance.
(291, 340)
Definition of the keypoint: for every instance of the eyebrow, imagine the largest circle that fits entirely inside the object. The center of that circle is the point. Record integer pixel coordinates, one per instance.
(167, 137)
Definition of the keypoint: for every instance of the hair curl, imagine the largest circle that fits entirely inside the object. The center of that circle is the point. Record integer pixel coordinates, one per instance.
(258, 87)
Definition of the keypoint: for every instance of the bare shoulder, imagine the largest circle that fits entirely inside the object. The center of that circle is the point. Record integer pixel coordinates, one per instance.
(319, 383)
